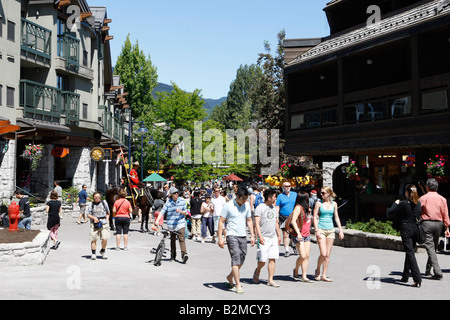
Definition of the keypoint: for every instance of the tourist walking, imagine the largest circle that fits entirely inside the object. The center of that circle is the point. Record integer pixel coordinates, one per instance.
(218, 202)
(58, 190)
(24, 211)
(196, 215)
(268, 236)
(53, 209)
(302, 235)
(207, 211)
(325, 232)
(82, 202)
(405, 214)
(122, 211)
(285, 205)
(98, 213)
(176, 210)
(434, 217)
(237, 214)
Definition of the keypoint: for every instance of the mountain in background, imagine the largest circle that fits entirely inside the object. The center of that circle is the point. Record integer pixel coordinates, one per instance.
(209, 103)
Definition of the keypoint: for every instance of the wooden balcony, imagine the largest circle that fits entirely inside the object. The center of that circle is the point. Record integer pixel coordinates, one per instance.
(36, 43)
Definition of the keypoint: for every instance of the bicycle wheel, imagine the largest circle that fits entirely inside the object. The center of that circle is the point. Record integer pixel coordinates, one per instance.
(159, 254)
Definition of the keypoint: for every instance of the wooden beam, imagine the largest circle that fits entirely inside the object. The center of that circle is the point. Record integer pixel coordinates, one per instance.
(105, 28)
(107, 38)
(85, 15)
(116, 87)
(63, 3)
(4, 123)
(106, 21)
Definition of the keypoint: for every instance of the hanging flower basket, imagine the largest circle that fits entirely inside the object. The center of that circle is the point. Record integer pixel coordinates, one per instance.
(439, 168)
(352, 171)
(33, 153)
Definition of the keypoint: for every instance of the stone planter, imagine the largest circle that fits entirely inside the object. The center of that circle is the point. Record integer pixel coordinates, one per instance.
(26, 253)
(360, 239)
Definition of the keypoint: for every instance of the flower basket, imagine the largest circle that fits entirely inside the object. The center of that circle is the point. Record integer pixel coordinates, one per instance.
(439, 168)
(33, 153)
(352, 171)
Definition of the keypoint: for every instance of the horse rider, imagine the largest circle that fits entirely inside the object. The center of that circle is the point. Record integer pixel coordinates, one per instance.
(135, 184)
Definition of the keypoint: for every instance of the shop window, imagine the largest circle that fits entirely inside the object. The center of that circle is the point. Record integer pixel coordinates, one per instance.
(312, 119)
(330, 117)
(434, 101)
(298, 121)
(400, 106)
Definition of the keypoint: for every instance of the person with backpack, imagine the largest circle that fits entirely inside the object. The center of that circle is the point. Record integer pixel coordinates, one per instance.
(98, 213)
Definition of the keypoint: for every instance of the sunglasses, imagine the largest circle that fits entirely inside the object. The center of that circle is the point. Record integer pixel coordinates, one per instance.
(323, 193)
(287, 186)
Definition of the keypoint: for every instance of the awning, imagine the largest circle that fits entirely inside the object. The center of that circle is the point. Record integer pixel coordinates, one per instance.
(154, 177)
(7, 127)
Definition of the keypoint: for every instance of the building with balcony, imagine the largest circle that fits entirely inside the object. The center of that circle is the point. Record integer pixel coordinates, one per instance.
(376, 90)
(57, 89)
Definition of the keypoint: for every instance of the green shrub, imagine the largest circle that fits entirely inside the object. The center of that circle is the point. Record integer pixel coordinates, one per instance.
(374, 226)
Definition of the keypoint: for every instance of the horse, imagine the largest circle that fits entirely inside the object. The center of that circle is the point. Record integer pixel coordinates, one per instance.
(144, 201)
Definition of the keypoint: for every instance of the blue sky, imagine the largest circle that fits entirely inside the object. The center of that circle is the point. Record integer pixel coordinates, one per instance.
(200, 44)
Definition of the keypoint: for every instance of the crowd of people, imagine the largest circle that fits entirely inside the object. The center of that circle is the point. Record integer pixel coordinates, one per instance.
(272, 219)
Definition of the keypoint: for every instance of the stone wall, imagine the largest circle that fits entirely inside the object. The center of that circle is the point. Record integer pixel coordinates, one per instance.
(7, 165)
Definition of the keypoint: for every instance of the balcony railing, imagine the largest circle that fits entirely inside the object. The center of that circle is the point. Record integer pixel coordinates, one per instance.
(42, 102)
(36, 39)
(69, 49)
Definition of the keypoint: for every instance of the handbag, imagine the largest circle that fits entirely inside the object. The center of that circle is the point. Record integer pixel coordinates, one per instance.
(288, 223)
(422, 236)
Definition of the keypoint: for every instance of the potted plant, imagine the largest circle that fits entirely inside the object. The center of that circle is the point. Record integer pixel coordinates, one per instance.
(33, 153)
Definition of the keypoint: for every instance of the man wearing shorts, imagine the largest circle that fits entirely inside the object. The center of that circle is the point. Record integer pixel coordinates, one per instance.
(237, 213)
(269, 236)
(98, 213)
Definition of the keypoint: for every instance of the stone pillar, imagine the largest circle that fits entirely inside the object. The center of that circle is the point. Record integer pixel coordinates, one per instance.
(7, 173)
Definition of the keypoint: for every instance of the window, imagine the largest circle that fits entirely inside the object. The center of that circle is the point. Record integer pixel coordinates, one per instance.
(11, 31)
(62, 82)
(1, 26)
(312, 119)
(330, 117)
(10, 91)
(298, 121)
(85, 58)
(85, 110)
(376, 110)
(434, 101)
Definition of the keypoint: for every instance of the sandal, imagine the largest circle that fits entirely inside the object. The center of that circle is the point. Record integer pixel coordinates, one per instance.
(239, 291)
(325, 279)
(317, 276)
(229, 285)
(273, 284)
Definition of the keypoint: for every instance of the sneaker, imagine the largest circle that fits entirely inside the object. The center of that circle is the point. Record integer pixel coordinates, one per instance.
(125, 248)
(286, 254)
(93, 256)
(185, 258)
(57, 244)
(104, 256)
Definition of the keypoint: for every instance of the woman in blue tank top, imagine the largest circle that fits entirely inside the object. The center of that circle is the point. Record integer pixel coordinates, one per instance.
(323, 224)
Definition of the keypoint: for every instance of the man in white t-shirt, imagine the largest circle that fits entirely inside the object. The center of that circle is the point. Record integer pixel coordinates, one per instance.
(219, 202)
(268, 235)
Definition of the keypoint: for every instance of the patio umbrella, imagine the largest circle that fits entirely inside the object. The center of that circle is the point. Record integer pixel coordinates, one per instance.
(232, 177)
(154, 177)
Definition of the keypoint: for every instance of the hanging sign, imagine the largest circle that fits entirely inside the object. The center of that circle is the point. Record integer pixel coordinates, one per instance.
(59, 152)
(97, 154)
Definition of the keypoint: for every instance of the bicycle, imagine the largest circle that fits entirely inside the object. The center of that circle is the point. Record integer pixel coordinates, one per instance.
(160, 251)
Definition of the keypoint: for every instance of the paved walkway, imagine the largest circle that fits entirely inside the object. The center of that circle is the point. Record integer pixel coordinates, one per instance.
(68, 273)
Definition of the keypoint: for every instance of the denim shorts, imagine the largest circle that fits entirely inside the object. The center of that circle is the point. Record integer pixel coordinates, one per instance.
(304, 239)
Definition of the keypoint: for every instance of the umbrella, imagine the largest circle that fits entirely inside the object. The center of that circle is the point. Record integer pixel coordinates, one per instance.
(232, 177)
(154, 177)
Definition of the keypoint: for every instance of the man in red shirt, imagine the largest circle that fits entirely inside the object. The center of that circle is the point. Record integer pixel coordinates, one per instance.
(434, 217)
(134, 178)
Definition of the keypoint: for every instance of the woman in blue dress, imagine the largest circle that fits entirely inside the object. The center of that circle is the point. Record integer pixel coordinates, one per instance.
(325, 232)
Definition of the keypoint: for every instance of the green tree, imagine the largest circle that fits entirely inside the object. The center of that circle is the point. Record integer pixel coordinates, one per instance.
(269, 95)
(139, 77)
